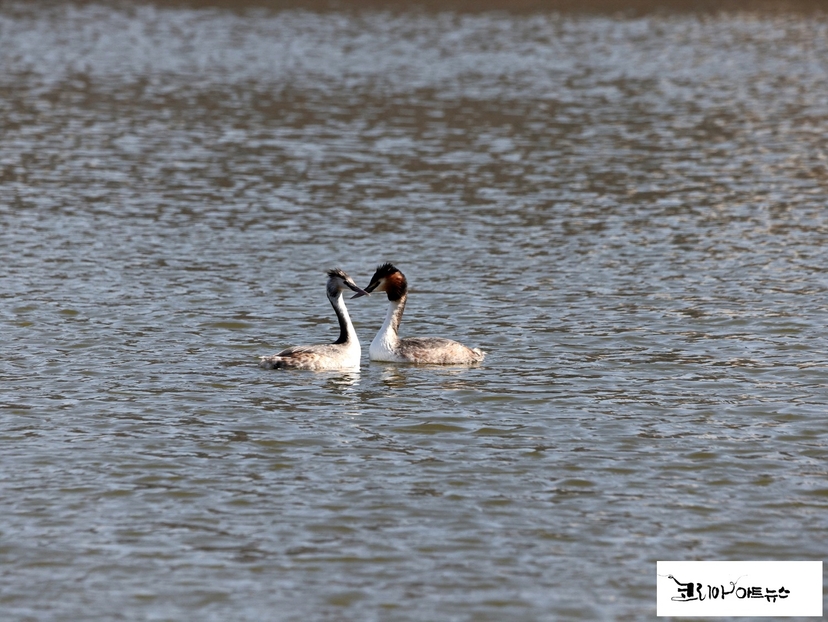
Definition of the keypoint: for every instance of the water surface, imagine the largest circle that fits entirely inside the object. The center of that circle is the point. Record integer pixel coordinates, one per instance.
(627, 213)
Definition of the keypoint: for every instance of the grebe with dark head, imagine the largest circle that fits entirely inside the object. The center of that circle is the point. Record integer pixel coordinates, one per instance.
(387, 346)
(342, 353)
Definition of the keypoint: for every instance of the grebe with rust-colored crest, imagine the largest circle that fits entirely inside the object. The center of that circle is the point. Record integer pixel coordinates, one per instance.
(387, 346)
(342, 353)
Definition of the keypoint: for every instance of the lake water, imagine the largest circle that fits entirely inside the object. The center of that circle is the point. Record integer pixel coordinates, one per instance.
(627, 212)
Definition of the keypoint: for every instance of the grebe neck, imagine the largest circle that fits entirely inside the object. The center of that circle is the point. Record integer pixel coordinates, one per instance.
(346, 327)
(389, 333)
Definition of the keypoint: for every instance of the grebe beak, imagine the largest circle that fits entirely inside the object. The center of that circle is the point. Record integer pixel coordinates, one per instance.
(359, 291)
(371, 287)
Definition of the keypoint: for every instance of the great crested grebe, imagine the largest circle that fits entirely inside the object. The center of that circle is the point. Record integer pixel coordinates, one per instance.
(387, 346)
(342, 353)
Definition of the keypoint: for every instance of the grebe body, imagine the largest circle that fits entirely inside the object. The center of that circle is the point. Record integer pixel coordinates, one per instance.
(387, 345)
(344, 353)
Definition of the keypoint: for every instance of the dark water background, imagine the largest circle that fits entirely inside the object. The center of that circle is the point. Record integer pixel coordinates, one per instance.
(627, 211)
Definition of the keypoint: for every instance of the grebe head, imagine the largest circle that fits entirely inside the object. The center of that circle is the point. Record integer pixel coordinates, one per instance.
(338, 281)
(387, 279)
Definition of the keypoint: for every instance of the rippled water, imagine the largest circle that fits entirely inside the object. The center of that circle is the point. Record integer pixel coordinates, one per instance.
(628, 214)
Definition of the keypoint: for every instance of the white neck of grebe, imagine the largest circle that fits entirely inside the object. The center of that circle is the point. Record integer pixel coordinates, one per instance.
(387, 340)
(347, 334)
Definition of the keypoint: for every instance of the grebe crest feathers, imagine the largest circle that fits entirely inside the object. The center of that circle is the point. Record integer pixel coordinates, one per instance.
(338, 272)
(390, 280)
(338, 281)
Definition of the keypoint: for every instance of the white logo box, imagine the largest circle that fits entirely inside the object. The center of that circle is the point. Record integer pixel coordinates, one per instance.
(744, 588)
